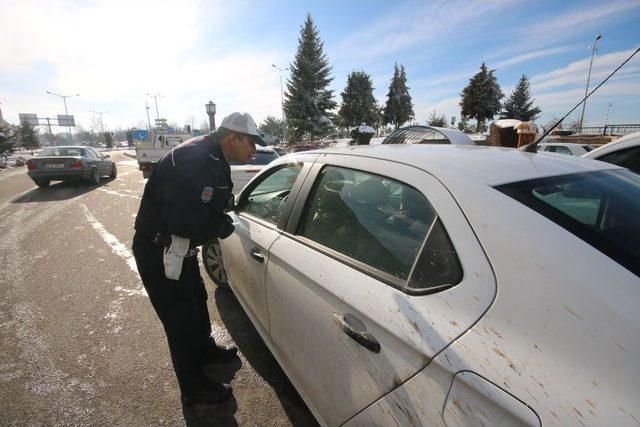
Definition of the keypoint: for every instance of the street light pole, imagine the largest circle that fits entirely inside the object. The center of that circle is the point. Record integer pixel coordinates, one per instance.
(281, 70)
(586, 90)
(155, 98)
(146, 106)
(66, 111)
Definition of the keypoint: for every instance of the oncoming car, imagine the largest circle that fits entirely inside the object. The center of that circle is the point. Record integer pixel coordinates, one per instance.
(65, 163)
(440, 284)
(241, 173)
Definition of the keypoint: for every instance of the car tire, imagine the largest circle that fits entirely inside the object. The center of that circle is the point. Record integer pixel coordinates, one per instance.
(114, 171)
(94, 178)
(213, 264)
(42, 183)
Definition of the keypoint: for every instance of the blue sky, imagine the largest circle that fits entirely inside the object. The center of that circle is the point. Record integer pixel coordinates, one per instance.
(113, 52)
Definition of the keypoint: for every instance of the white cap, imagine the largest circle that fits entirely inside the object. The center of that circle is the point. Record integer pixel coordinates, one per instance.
(243, 123)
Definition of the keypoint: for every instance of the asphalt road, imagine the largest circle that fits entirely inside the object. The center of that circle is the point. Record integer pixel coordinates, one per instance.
(80, 343)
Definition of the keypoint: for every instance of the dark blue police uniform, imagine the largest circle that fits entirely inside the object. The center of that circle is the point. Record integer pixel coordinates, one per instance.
(185, 195)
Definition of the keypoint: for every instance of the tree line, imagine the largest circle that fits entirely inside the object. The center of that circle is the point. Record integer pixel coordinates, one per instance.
(309, 106)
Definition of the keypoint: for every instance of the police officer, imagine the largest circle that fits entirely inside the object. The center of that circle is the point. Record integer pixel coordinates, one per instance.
(182, 208)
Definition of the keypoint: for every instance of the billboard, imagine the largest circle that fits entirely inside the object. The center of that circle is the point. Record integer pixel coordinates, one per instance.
(32, 119)
(64, 120)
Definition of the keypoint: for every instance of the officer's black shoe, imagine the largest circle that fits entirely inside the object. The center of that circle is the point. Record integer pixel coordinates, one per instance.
(211, 394)
(217, 353)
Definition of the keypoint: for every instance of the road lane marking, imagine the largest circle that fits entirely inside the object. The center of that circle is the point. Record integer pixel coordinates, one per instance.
(115, 193)
(117, 247)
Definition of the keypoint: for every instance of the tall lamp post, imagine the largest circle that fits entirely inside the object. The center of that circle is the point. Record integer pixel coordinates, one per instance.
(100, 113)
(281, 70)
(211, 112)
(586, 90)
(155, 98)
(64, 99)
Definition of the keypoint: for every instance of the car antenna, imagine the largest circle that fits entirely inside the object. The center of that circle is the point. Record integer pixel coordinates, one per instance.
(531, 148)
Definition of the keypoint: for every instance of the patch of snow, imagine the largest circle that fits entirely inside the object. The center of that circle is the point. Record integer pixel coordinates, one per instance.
(366, 129)
(507, 123)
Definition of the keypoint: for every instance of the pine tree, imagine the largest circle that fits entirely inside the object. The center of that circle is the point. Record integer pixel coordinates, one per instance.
(358, 104)
(518, 105)
(307, 98)
(481, 97)
(437, 120)
(7, 140)
(399, 108)
(464, 125)
(28, 137)
(272, 126)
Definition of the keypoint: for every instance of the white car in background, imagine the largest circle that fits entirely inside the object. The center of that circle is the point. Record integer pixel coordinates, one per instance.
(241, 173)
(564, 148)
(444, 285)
(623, 152)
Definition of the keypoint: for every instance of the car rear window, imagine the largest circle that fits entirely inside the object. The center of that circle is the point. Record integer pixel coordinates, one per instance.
(602, 208)
(60, 152)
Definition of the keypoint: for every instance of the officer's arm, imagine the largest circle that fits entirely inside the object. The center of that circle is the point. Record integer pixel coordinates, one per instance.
(186, 212)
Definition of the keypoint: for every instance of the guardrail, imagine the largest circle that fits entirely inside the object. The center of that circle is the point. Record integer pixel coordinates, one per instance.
(611, 130)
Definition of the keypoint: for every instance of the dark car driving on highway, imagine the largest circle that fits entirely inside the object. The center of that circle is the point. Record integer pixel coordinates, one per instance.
(67, 163)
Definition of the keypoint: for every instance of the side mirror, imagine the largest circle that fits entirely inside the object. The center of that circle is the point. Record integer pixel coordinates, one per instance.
(106, 156)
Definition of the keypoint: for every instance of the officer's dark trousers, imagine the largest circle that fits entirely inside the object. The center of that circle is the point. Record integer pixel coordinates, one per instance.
(181, 306)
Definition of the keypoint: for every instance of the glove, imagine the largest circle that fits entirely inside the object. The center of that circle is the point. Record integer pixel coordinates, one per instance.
(226, 226)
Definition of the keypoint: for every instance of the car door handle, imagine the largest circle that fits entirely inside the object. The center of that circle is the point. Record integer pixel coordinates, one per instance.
(356, 330)
(257, 255)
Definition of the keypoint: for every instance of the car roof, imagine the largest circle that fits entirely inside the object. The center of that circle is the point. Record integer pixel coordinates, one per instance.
(631, 140)
(563, 144)
(261, 149)
(488, 165)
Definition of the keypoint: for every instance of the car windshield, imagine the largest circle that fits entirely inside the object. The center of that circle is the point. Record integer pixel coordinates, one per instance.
(60, 152)
(602, 208)
(260, 158)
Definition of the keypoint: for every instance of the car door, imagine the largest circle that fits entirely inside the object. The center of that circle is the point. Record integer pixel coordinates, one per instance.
(257, 222)
(91, 158)
(376, 272)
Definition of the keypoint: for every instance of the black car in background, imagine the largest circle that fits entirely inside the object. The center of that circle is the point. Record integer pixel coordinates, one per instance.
(66, 163)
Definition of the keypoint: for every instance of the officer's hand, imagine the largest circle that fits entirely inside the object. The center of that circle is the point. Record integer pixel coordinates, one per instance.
(227, 227)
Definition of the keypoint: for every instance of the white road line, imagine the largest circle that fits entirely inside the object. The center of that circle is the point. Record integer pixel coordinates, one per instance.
(112, 241)
(115, 193)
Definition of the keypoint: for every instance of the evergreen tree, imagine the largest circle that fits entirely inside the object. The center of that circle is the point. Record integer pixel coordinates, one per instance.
(437, 120)
(7, 140)
(399, 108)
(358, 104)
(273, 126)
(518, 105)
(108, 139)
(481, 97)
(28, 137)
(307, 98)
(464, 125)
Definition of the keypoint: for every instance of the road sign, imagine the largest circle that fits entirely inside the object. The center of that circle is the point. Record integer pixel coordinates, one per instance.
(64, 120)
(32, 119)
(139, 135)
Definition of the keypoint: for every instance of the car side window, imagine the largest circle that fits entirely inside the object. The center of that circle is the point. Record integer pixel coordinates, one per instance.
(562, 150)
(628, 158)
(372, 219)
(268, 197)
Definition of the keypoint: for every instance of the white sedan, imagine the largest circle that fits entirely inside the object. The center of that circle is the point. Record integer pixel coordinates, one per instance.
(623, 152)
(564, 148)
(445, 285)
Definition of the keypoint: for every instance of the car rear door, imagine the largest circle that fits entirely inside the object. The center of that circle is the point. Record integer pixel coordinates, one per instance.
(377, 271)
(258, 223)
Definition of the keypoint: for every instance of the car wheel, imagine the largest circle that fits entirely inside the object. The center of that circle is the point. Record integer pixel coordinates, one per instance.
(42, 182)
(94, 178)
(114, 171)
(212, 260)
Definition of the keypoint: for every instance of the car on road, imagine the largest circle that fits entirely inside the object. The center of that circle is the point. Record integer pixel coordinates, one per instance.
(623, 152)
(65, 163)
(241, 173)
(564, 148)
(440, 284)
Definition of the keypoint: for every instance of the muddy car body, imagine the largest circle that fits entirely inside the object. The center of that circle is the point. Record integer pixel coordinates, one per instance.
(433, 285)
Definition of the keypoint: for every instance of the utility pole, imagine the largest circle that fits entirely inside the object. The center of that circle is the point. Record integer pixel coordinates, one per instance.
(606, 118)
(586, 90)
(146, 106)
(155, 98)
(100, 113)
(284, 123)
(64, 99)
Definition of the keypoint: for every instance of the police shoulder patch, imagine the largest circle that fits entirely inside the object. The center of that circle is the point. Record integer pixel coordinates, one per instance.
(207, 194)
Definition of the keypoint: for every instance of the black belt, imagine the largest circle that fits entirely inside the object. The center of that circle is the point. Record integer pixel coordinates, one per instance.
(164, 240)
